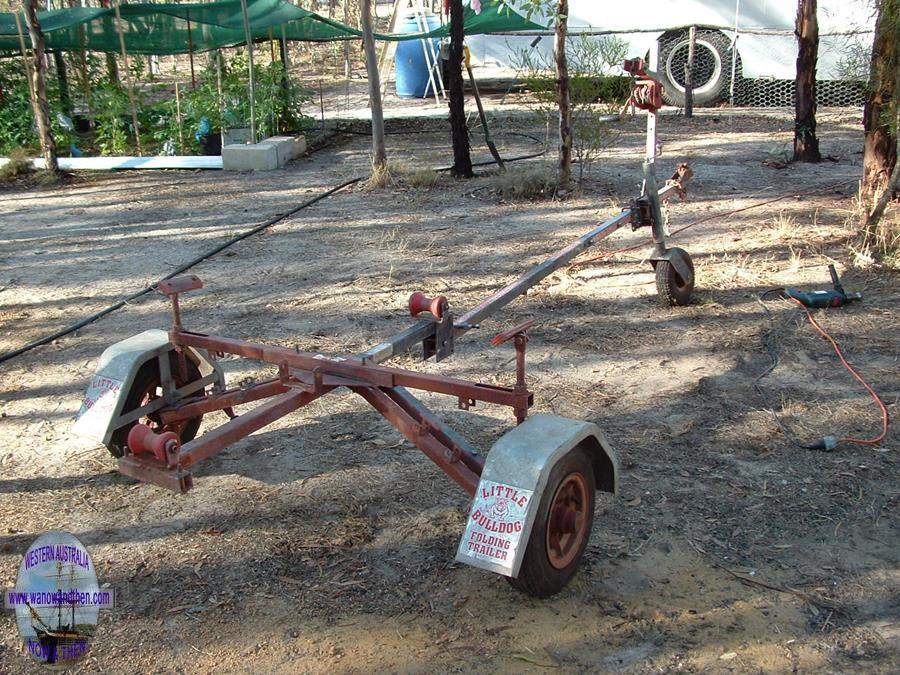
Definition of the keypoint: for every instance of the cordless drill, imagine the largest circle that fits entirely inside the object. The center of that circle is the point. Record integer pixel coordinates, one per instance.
(836, 297)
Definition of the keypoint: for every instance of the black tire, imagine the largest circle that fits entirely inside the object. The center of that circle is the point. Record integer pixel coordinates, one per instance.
(712, 66)
(673, 291)
(148, 377)
(538, 576)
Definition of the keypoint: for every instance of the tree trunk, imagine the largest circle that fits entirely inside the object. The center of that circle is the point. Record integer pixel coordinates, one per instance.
(806, 145)
(379, 153)
(65, 97)
(562, 94)
(112, 66)
(39, 85)
(881, 109)
(462, 160)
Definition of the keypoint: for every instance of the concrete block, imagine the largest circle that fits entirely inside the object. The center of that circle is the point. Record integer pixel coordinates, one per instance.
(288, 147)
(239, 135)
(258, 157)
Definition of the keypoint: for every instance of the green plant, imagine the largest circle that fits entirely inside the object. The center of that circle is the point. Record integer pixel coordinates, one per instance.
(112, 109)
(17, 117)
(595, 91)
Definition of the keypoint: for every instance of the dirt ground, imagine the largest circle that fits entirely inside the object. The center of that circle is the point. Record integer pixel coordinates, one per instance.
(325, 542)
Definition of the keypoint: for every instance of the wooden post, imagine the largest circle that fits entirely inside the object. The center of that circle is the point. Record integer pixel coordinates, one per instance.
(379, 152)
(130, 81)
(563, 100)
(221, 104)
(248, 38)
(25, 62)
(39, 85)
(462, 159)
(191, 50)
(806, 145)
(178, 118)
(689, 73)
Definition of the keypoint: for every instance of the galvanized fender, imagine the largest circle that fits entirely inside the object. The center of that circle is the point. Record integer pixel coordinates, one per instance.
(514, 477)
(101, 410)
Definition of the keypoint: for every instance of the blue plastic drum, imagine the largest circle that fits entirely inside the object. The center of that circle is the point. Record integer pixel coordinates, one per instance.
(412, 68)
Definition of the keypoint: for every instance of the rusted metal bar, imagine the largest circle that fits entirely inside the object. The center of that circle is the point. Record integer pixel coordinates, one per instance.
(151, 470)
(227, 399)
(422, 330)
(380, 376)
(541, 271)
(214, 441)
(449, 460)
(418, 410)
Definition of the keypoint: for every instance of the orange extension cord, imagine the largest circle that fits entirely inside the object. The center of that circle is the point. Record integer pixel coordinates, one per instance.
(885, 421)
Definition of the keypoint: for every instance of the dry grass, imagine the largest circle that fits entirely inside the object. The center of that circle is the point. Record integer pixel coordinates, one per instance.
(534, 182)
(413, 176)
(18, 165)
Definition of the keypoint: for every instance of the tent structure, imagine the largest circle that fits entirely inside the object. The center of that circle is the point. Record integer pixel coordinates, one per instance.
(180, 28)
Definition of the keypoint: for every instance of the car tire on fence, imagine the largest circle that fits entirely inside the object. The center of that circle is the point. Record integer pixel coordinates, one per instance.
(712, 66)
(561, 528)
(144, 388)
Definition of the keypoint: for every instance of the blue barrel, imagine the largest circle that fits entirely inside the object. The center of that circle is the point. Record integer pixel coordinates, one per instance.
(412, 68)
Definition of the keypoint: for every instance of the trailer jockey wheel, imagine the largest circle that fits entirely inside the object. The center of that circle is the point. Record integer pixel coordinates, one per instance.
(672, 289)
(561, 529)
(145, 388)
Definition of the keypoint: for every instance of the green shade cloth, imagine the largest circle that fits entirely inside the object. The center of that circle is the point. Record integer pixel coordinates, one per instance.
(163, 29)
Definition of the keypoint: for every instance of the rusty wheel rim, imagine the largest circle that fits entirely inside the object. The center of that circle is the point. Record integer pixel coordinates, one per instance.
(150, 394)
(567, 524)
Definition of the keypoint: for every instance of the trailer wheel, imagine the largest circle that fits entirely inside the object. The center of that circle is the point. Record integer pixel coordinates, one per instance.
(561, 529)
(674, 291)
(146, 387)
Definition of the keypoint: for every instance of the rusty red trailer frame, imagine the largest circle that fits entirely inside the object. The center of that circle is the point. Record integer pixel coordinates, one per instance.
(156, 454)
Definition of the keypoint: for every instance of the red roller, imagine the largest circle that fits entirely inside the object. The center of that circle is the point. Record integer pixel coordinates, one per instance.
(142, 439)
(419, 302)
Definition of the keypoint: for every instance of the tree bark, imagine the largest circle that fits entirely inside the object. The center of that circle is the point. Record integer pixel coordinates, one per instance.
(112, 66)
(379, 153)
(806, 145)
(563, 100)
(462, 160)
(65, 97)
(881, 109)
(39, 85)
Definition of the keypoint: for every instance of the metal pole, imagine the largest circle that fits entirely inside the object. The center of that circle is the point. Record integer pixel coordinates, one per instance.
(689, 74)
(737, 13)
(249, 40)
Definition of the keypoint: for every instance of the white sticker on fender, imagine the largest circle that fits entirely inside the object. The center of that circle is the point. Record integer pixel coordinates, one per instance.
(495, 525)
(100, 396)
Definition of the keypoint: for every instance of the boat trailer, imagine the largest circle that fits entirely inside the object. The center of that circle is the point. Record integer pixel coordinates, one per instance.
(533, 493)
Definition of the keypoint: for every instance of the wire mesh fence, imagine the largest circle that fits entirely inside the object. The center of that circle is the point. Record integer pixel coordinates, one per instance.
(716, 61)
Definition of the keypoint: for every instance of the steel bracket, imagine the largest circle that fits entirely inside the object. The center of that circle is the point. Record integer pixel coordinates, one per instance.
(440, 344)
(675, 260)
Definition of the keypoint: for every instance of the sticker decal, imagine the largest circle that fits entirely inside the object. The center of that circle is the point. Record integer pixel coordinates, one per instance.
(100, 397)
(495, 524)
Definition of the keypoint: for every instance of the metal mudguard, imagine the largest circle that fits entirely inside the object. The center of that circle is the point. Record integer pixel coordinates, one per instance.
(101, 408)
(515, 475)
